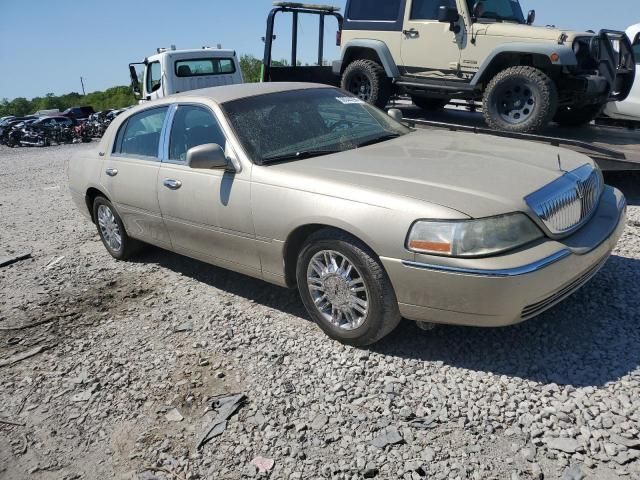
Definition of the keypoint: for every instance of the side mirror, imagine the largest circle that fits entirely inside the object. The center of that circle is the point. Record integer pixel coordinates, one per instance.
(135, 83)
(207, 157)
(448, 14)
(531, 17)
(395, 113)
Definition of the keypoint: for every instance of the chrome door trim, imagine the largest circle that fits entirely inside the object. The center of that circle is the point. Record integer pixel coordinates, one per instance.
(508, 272)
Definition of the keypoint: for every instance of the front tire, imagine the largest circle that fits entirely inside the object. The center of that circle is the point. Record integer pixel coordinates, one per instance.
(368, 81)
(111, 230)
(577, 116)
(345, 288)
(520, 99)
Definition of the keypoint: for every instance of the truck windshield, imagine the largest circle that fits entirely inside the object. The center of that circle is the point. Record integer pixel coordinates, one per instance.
(502, 10)
(299, 124)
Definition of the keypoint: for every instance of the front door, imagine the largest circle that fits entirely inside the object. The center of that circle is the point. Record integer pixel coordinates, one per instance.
(207, 212)
(430, 49)
(130, 173)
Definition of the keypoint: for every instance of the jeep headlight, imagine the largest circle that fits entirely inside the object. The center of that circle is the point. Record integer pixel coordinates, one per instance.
(472, 238)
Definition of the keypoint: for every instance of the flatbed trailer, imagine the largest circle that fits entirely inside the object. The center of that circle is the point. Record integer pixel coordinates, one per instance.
(613, 148)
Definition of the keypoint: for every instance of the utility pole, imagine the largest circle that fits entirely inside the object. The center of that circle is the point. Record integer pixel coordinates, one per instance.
(82, 83)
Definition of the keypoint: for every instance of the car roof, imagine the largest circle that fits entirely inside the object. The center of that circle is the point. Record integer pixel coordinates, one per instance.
(227, 93)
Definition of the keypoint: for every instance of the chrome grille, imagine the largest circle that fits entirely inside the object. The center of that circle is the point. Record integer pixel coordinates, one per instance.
(566, 203)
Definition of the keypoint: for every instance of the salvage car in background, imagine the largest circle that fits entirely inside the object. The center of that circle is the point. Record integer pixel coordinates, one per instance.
(629, 109)
(305, 186)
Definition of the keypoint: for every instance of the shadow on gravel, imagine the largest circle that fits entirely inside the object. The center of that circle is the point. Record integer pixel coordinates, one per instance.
(283, 299)
(590, 339)
(628, 183)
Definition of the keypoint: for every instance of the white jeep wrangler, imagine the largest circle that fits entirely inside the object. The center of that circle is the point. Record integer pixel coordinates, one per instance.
(438, 50)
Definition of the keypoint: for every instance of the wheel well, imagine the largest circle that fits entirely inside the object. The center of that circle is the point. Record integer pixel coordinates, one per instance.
(90, 197)
(514, 59)
(294, 243)
(359, 53)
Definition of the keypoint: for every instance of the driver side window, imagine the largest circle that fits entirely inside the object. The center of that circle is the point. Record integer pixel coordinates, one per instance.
(153, 76)
(636, 48)
(428, 9)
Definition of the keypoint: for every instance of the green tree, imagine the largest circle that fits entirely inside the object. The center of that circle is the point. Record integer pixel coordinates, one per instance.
(251, 68)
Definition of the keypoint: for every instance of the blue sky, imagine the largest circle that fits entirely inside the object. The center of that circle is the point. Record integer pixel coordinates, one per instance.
(45, 46)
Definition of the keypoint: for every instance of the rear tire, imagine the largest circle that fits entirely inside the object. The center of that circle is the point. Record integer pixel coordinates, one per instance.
(352, 299)
(368, 81)
(430, 104)
(111, 230)
(577, 116)
(520, 99)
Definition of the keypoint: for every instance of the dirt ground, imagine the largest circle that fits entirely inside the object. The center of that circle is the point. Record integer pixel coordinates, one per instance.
(128, 356)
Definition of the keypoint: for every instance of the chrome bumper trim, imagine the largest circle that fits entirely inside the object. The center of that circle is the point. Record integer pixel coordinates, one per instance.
(509, 272)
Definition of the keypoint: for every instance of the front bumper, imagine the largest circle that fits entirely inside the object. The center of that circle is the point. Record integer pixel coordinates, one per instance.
(505, 290)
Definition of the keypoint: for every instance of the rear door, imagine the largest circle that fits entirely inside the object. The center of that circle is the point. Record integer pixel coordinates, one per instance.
(429, 48)
(130, 173)
(207, 212)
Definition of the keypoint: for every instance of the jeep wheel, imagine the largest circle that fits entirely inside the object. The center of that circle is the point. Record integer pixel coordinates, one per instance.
(430, 104)
(577, 116)
(368, 81)
(520, 99)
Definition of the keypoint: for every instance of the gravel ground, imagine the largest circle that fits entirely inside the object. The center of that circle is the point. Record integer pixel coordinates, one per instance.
(133, 354)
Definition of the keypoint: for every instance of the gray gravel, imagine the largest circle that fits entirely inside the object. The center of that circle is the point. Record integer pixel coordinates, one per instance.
(135, 352)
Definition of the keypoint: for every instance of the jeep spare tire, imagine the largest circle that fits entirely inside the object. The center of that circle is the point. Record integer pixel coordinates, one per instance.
(520, 99)
(368, 81)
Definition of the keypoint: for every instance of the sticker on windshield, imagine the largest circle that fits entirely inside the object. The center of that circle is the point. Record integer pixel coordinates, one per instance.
(349, 100)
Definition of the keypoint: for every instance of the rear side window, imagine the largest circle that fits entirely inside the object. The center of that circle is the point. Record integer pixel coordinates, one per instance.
(374, 10)
(193, 126)
(140, 135)
(428, 9)
(205, 66)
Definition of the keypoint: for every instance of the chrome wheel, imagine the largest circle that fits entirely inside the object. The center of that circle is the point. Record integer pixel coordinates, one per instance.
(337, 289)
(516, 103)
(109, 228)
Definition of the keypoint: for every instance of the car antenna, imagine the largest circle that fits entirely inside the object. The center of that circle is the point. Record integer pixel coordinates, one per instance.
(560, 164)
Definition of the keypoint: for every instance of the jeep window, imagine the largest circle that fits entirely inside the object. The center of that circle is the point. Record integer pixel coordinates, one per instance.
(374, 10)
(305, 123)
(428, 9)
(153, 76)
(501, 10)
(636, 48)
(204, 66)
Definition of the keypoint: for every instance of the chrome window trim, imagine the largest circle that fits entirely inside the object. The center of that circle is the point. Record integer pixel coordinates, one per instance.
(508, 272)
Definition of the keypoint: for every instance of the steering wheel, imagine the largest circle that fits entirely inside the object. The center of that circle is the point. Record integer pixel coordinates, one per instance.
(478, 9)
(341, 125)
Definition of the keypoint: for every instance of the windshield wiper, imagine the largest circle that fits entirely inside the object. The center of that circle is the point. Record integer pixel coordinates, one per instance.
(298, 155)
(379, 139)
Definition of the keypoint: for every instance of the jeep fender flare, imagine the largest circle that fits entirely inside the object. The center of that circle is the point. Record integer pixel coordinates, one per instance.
(377, 47)
(566, 57)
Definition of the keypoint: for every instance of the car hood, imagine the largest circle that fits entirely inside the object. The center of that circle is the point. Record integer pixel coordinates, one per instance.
(477, 175)
(531, 32)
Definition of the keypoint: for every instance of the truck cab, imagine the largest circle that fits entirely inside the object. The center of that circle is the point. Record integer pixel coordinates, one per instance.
(172, 71)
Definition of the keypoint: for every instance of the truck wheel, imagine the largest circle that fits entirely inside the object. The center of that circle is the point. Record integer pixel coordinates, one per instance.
(577, 116)
(430, 104)
(520, 99)
(345, 289)
(368, 81)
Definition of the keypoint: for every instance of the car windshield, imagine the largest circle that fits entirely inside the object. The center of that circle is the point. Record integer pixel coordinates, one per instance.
(305, 123)
(502, 10)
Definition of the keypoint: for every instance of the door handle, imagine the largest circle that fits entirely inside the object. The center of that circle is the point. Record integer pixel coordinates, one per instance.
(413, 33)
(112, 172)
(172, 184)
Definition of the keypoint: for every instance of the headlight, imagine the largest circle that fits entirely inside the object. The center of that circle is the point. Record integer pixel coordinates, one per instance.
(472, 238)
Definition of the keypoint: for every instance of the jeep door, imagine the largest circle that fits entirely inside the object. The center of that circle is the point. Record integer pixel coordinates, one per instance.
(207, 211)
(429, 48)
(130, 173)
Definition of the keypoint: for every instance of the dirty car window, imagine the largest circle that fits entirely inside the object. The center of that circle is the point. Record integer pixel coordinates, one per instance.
(322, 119)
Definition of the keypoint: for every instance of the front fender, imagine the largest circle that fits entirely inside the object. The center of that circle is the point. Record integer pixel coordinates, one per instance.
(566, 57)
